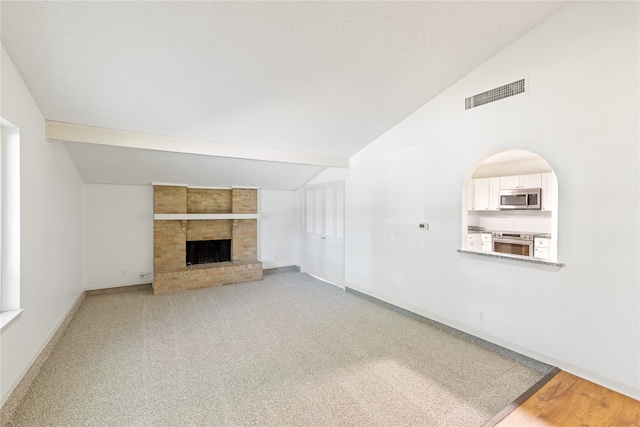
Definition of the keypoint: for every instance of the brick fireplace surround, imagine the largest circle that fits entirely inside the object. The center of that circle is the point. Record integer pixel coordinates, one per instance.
(171, 273)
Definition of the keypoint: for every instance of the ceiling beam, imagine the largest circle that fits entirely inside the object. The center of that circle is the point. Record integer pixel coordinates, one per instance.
(60, 131)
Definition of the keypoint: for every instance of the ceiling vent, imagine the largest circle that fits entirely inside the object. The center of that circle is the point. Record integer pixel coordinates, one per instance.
(495, 94)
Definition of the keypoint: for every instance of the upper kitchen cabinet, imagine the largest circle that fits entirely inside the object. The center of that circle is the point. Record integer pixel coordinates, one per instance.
(548, 194)
(515, 182)
(486, 194)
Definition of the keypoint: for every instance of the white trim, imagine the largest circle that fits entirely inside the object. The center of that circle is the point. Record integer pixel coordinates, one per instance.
(201, 187)
(167, 184)
(191, 217)
(327, 281)
(121, 285)
(10, 241)
(6, 317)
(59, 131)
(620, 386)
(54, 330)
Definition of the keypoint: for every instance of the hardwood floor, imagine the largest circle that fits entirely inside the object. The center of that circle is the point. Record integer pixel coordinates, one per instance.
(567, 400)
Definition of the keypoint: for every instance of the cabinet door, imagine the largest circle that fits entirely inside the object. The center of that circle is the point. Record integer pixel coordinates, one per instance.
(474, 246)
(481, 194)
(533, 180)
(509, 182)
(541, 253)
(548, 196)
(540, 242)
(470, 195)
(494, 194)
(473, 237)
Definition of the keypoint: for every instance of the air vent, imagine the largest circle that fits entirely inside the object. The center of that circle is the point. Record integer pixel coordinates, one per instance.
(495, 94)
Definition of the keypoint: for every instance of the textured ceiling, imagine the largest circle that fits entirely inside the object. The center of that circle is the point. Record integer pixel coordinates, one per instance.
(318, 77)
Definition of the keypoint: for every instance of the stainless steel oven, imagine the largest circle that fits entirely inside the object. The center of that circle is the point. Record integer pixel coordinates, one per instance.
(513, 243)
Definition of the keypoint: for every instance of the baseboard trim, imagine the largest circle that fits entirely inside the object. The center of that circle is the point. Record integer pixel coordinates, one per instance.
(275, 270)
(627, 389)
(525, 360)
(117, 285)
(20, 390)
(119, 289)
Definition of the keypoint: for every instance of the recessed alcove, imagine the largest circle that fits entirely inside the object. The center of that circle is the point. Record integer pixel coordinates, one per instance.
(483, 215)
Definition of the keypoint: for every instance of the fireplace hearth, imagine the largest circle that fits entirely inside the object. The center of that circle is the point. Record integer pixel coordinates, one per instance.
(208, 251)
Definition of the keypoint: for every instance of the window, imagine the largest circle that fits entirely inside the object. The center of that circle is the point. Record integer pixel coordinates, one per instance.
(10, 222)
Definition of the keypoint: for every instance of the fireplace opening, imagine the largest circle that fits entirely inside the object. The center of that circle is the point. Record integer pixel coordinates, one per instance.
(208, 251)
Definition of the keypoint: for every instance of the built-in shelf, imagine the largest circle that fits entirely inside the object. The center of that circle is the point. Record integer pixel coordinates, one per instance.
(191, 217)
(515, 258)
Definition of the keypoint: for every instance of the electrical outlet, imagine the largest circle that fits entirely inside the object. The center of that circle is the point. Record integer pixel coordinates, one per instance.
(424, 226)
(123, 272)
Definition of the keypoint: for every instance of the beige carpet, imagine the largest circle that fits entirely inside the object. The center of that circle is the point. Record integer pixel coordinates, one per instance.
(289, 350)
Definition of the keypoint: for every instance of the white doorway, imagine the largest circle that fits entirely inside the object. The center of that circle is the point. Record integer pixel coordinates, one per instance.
(325, 231)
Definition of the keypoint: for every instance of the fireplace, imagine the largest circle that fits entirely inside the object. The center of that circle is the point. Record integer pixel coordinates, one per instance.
(212, 227)
(208, 251)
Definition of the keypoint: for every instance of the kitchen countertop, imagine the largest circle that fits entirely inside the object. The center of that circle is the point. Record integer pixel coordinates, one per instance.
(528, 260)
(533, 233)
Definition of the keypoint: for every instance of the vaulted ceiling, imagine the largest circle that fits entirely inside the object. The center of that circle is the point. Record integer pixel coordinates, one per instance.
(321, 78)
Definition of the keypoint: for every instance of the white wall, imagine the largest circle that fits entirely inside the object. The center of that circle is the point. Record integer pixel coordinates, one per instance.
(118, 235)
(278, 231)
(51, 233)
(581, 114)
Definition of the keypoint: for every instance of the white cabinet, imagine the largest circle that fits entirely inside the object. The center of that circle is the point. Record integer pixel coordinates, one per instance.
(473, 242)
(481, 194)
(533, 180)
(548, 196)
(541, 247)
(494, 194)
(479, 242)
(486, 194)
(470, 194)
(509, 182)
(485, 240)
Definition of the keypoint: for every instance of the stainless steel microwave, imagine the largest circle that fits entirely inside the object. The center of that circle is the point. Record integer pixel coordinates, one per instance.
(522, 198)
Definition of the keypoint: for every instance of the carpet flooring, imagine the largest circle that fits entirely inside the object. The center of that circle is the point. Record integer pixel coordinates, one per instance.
(287, 351)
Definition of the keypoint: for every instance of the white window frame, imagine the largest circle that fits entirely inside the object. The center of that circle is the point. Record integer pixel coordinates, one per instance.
(9, 223)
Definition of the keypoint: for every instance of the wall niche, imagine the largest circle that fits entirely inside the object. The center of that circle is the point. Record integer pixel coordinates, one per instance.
(481, 209)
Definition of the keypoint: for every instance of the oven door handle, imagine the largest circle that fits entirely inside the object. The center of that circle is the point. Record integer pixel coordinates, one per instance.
(517, 242)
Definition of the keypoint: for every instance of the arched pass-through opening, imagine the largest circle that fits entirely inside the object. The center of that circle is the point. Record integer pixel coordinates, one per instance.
(510, 207)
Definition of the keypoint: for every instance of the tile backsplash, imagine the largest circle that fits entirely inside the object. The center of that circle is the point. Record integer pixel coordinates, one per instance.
(527, 221)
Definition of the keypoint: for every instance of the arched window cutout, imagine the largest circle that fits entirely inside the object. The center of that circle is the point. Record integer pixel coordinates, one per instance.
(488, 227)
